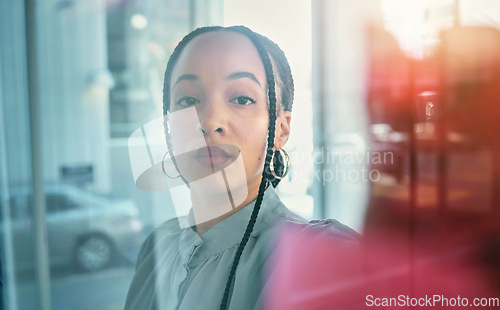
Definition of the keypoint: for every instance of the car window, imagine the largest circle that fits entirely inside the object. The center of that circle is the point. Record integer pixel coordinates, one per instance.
(58, 203)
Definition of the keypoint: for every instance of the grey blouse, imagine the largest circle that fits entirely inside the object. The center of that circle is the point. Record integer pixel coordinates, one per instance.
(179, 269)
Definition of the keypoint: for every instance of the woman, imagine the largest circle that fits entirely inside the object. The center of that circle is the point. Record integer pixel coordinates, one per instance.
(228, 96)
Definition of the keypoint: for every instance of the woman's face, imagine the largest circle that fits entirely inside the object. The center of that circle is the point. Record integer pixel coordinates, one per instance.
(220, 77)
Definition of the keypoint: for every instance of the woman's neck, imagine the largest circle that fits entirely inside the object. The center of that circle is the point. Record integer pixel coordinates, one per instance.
(201, 204)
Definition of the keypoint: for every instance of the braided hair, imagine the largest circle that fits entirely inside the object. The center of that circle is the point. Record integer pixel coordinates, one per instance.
(270, 54)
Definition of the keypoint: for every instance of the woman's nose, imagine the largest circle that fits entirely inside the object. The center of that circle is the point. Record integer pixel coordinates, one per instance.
(205, 132)
(213, 118)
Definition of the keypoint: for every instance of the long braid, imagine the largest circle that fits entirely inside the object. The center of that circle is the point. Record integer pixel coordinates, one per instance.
(271, 129)
(270, 142)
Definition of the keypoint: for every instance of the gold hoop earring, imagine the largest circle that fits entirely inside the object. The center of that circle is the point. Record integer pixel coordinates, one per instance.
(284, 154)
(163, 167)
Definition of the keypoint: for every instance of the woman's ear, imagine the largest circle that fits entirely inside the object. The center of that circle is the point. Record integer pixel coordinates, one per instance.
(282, 129)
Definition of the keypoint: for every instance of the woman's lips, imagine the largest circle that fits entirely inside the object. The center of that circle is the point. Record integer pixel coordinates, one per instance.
(212, 156)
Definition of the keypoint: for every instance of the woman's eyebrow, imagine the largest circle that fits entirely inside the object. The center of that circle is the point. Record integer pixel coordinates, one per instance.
(242, 74)
(186, 77)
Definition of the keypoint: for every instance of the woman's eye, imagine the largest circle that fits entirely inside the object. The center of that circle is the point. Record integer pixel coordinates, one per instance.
(187, 101)
(243, 100)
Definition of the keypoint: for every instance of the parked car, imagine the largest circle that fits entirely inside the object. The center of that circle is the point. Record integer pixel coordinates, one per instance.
(85, 229)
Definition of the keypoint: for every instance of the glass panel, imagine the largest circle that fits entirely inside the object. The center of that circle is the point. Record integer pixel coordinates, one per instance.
(16, 227)
(104, 60)
(100, 72)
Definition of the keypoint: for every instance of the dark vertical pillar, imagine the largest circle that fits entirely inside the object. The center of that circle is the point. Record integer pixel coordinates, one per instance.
(40, 229)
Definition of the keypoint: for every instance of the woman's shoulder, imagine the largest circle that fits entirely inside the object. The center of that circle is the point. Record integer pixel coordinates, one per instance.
(332, 228)
(325, 227)
(168, 229)
(167, 232)
(283, 216)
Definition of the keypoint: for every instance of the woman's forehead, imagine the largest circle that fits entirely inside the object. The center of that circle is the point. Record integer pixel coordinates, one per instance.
(221, 52)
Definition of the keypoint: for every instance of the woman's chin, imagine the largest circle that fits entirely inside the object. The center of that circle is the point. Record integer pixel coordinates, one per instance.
(217, 185)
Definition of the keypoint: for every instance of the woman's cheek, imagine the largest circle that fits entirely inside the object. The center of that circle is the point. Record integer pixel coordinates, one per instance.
(259, 142)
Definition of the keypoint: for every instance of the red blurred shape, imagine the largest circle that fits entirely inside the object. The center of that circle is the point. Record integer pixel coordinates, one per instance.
(313, 271)
(446, 107)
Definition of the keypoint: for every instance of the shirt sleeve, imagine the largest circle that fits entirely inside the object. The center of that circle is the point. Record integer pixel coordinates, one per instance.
(325, 229)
